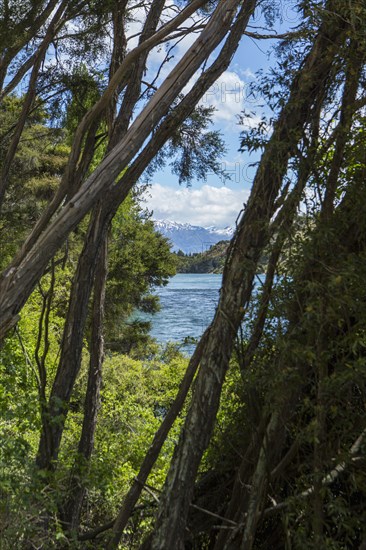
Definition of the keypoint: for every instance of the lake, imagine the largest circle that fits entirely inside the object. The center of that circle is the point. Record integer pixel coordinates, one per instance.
(188, 304)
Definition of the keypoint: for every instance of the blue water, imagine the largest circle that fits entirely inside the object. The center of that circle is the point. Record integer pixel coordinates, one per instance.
(188, 304)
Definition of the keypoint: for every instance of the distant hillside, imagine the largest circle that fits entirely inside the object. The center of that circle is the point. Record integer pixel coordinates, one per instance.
(192, 239)
(211, 261)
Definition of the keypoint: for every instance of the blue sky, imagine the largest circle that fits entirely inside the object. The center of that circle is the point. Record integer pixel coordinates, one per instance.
(215, 202)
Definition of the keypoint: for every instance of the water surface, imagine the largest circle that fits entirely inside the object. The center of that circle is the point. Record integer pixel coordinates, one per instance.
(188, 304)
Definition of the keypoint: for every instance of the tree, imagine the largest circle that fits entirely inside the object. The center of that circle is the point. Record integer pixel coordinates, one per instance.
(108, 155)
(243, 256)
(103, 179)
(35, 174)
(312, 146)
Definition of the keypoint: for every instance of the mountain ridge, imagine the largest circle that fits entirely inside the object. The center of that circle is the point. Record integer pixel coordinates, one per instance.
(192, 239)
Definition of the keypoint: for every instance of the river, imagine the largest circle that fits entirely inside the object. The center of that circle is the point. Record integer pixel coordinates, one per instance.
(188, 304)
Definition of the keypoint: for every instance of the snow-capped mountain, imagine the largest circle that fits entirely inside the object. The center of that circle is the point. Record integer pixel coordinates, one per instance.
(225, 231)
(192, 238)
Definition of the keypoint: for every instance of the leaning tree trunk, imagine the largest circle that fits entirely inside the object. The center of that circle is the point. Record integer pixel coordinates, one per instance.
(71, 347)
(247, 511)
(251, 481)
(177, 116)
(239, 272)
(18, 281)
(72, 344)
(72, 508)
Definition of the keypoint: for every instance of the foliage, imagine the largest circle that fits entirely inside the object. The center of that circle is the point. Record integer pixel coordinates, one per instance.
(35, 173)
(286, 459)
(140, 260)
(135, 398)
(210, 261)
(192, 151)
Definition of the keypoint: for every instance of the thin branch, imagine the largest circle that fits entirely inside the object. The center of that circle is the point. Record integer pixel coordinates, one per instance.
(327, 480)
(27, 358)
(151, 491)
(284, 36)
(212, 514)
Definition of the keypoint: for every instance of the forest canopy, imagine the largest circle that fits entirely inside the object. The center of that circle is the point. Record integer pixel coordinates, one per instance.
(107, 440)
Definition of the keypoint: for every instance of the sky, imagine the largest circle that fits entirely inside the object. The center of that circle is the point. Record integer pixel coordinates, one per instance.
(216, 202)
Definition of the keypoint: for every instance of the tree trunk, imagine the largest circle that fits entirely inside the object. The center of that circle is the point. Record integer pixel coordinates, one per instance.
(243, 255)
(17, 283)
(71, 347)
(72, 344)
(72, 508)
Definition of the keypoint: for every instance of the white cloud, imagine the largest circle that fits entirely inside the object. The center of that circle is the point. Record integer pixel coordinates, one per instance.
(229, 95)
(205, 206)
(247, 73)
(226, 95)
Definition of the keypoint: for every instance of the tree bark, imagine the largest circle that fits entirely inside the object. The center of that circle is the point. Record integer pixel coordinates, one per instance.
(71, 346)
(17, 283)
(72, 508)
(243, 255)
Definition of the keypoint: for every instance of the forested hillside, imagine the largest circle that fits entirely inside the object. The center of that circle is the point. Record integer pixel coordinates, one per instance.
(210, 261)
(107, 440)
